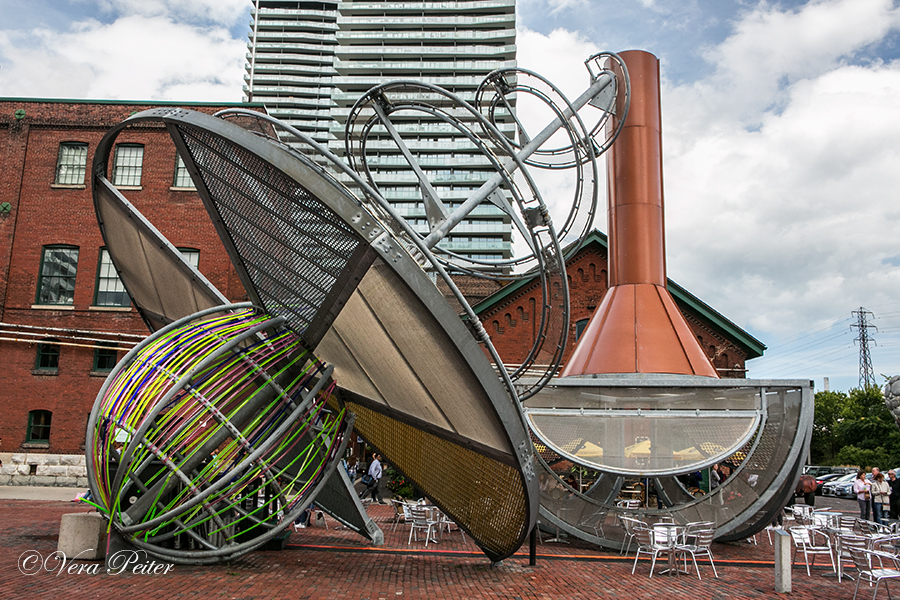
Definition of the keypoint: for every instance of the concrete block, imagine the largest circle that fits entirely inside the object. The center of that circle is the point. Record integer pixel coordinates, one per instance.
(66, 481)
(72, 460)
(76, 471)
(81, 482)
(51, 471)
(782, 542)
(5, 479)
(36, 459)
(82, 536)
(19, 480)
(23, 470)
(45, 481)
(18, 459)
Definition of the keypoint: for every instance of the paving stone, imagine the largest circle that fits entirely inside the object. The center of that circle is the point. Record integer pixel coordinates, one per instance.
(337, 563)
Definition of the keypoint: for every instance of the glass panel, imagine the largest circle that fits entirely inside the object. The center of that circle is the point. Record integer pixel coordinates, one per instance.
(647, 398)
(191, 256)
(105, 358)
(47, 356)
(182, 177)
(70, 165)
(39, 430)
(641, 444)
(110, 290)
(57, 280)
(127, 165)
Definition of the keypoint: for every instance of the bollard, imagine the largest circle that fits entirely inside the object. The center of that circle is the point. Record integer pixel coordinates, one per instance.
(782, 561)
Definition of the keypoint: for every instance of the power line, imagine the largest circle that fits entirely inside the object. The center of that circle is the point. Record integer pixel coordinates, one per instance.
(866, 373)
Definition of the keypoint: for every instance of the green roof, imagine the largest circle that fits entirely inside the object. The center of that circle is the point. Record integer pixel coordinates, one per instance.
(682, 297)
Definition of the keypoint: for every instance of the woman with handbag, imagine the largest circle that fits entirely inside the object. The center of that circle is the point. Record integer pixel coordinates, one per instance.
(881, 492)
(862, 488)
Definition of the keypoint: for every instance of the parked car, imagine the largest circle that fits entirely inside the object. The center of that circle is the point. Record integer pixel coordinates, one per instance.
(844, 482)
(821, 480)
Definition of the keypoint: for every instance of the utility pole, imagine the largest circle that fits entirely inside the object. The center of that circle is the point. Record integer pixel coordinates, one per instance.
(866, 373)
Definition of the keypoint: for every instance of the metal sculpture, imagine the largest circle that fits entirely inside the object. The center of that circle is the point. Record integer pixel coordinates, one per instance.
(350, 286)
(332, 268)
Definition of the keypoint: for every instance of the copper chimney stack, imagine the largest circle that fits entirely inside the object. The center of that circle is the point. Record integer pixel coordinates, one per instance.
(638, 328)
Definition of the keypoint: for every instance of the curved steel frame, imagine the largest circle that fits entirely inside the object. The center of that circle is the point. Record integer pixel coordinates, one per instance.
(742, 505)
(200, 490)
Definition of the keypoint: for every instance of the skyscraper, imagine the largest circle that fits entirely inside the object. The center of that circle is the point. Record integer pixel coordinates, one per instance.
(310, 61)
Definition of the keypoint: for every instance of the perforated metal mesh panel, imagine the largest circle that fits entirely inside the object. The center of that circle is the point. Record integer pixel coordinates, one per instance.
(293, 247)
(481, 495)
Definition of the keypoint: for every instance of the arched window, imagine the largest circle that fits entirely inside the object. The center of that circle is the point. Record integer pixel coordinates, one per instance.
(520, 313)
(579, 327)
(47, 358)
(496, 326)
(38, 427)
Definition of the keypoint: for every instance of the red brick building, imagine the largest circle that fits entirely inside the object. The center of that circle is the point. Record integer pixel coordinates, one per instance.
(64, 317)
(509, 314)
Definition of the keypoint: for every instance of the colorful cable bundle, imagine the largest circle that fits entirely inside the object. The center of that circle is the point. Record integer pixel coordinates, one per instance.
(211, 435)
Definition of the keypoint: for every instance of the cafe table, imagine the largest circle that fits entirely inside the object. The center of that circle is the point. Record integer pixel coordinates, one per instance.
(667, 535)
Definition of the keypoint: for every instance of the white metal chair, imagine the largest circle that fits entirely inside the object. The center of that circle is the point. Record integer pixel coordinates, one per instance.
(401, 511)
(844, 542)
(420, 520)
(697, 540)
(647, 544)
(628, 525)
(866, 560)
(812, 542)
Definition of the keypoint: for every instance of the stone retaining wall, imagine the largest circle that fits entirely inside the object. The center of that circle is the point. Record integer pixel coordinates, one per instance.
(63, 470)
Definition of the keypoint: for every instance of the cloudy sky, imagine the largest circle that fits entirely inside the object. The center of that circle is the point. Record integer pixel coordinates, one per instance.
(781, 134)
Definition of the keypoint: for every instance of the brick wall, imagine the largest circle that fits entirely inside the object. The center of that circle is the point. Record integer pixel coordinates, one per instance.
(42, 213)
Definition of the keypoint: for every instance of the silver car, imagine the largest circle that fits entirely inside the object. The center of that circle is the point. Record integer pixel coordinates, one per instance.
(842, 487)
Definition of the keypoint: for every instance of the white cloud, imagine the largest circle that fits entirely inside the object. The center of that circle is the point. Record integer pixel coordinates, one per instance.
(223, 12)
(787, 222)
(134, 57)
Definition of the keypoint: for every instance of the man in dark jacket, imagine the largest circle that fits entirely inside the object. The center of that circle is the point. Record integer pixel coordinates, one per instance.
(895, 494)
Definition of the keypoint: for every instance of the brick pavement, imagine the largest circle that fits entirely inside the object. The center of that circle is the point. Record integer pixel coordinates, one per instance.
(336, 563)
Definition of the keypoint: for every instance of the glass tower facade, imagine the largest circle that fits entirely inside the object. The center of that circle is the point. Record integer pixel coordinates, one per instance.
(309, 62)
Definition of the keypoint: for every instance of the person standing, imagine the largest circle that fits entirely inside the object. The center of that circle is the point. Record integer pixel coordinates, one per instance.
(862, 488)
(350, 468)
(372, 478)
(880, 497)
(895, 494)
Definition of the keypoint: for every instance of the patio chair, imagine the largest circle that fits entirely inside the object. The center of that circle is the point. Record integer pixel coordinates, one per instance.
(844, 543)
(400, 513)
(812, 542)
(628, 524)
(420, 520)
(697, 541)
(866, 561)
(647, 544)
(595, 521)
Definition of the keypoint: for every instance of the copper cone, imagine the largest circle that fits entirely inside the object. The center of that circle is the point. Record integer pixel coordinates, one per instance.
(638, 328)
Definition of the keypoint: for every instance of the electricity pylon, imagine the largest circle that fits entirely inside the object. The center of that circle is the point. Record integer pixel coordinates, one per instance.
(866, 373)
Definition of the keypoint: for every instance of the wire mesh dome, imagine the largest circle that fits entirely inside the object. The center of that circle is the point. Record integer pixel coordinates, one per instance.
(213, 434)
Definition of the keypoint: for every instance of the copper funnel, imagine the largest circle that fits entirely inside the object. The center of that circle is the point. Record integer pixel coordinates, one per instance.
(638, 328)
